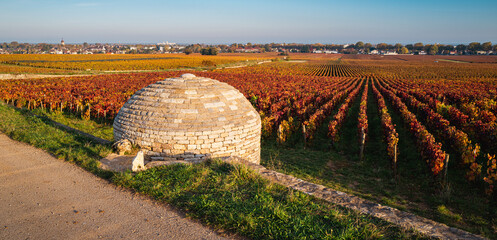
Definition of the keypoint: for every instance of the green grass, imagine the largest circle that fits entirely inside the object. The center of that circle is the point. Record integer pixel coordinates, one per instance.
(338, 166)
(226, 197)
(101, 128)
(22, 126)
(236, 199)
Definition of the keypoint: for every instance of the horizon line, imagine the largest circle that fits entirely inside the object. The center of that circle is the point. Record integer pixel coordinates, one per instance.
(258, 43)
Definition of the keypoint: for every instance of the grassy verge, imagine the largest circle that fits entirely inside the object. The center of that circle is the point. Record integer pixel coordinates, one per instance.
(237, 199)
(25, 127)
(101, 128)
(221, 195)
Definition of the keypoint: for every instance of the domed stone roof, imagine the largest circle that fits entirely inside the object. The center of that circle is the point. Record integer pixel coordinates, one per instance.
(191, 118)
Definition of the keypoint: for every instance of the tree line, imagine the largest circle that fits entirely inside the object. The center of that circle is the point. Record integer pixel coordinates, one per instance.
(357, 48)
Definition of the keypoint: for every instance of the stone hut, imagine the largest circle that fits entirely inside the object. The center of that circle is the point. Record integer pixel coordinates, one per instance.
(190, 118)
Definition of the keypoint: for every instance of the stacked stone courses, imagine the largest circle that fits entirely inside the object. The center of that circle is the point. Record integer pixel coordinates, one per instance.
(190, 118)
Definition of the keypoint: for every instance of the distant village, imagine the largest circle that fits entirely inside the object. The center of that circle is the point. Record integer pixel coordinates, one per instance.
(283, 48)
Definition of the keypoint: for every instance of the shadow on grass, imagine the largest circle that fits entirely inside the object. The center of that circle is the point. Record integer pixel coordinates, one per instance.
(21, 125)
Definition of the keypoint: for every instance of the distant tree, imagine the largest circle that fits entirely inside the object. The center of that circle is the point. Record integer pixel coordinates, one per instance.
(445, 49)
(267, 48)
(409, 47)
(213, 51)
(209, 51)
(224, 48)
(350, 51)
(233, 47)
(495, 48)
(367, 47)
(14, 44)
(461, 48)
(398, 46)
(188, 51)
(305, 49)
(426, 47)
(474, 47)
(433, 49)
(195, 48)
(418, 46)
(46, 47)
(449, 47)
(359, 45)
(382, 46)
(403, 50)
(23, 46)
(85, 45)
(486, 46)
(317, 46)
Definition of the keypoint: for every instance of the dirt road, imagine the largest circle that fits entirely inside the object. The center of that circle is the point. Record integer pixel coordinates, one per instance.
(29, 76)
(42, 197)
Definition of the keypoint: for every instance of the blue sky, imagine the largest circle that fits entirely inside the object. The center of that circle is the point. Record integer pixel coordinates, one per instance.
(256, 21)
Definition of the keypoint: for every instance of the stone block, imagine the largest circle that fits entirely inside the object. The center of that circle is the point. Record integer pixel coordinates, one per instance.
(217, 145)
(138, 163)
(192, 147)
(179, 147)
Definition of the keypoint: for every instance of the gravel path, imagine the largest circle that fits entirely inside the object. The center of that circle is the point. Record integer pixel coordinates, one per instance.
(29, 76)
(42, 197)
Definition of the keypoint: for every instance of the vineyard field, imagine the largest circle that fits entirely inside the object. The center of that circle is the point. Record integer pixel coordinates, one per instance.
(119, 62)
(414, 132)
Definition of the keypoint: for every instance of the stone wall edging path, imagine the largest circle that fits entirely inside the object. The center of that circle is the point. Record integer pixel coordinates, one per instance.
(404, 219)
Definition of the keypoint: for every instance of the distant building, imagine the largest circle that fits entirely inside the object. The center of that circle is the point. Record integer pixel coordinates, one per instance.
(166, 43)
(248, 50)
(390, 53)
(62, 43)
(325, 51)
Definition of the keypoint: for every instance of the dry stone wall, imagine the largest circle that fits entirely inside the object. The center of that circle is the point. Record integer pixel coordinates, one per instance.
(191, 118)
(405, 220)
